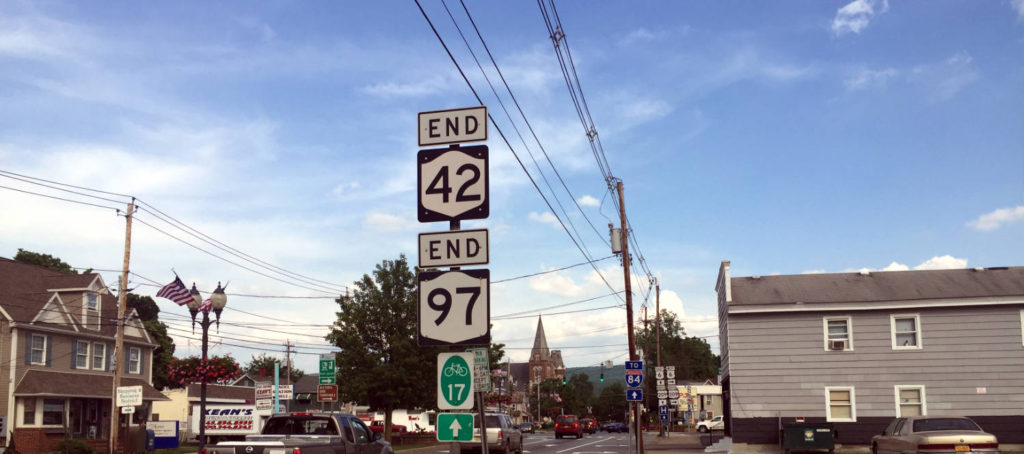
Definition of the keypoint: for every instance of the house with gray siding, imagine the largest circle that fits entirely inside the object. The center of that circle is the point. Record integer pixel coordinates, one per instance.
(859, 349)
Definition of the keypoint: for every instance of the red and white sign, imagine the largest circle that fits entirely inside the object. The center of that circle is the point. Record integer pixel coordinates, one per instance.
(327, 393)
(266, 391)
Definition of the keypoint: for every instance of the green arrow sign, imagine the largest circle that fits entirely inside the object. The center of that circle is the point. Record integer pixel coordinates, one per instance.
(326, 366)
(455, 381)
(455, 427)
(328, 379)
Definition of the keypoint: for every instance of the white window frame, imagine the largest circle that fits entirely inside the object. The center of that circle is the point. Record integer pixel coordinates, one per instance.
(78, 354)
(920, 388)
(32, 349)
(828, 404)
(849, 331)
(86, 301)
(919, 337)
(103, 358)
(137, 369)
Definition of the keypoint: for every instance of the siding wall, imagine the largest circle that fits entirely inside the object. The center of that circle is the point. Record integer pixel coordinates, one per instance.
(5, 358)
(778, 365)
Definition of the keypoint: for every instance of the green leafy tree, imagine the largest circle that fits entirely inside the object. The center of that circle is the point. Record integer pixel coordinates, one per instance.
(550, 390)
(691, 356)
(380, 356)
(611, 405)
(149, 313)
(45, 261)
(577, 394)
(262, 365)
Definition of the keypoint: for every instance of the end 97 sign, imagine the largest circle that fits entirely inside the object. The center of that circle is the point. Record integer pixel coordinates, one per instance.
(454, 307)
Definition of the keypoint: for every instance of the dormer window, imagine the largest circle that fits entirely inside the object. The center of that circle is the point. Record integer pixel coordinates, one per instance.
(92, 301)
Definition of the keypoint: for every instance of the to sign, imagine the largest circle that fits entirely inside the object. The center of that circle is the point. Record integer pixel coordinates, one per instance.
(129, 396)
(453, 248)
(327, 393)
(634, 373)
(455, 307)
(455, 426)
(468, 124)
(455, 381)
(452, 184)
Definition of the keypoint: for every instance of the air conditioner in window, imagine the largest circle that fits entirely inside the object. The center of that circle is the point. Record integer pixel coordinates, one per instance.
(837, 345)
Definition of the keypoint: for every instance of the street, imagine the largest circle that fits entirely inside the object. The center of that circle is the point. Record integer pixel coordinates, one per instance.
(599, 443)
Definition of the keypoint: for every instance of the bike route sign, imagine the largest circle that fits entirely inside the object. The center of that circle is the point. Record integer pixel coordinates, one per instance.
(634, 373)
(455, 381)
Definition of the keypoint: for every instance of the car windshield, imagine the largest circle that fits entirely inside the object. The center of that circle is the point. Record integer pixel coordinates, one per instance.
(925, 425)
(299, 426)
(566, 419)
(492, 422)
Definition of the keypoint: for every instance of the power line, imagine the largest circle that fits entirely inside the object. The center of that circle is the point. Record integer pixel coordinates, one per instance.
(60, 198)
(66, 184)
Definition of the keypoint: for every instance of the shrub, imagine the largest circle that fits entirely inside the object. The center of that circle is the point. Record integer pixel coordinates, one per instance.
(69, 446)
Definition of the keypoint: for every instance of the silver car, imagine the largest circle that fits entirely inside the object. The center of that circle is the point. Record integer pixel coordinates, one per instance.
(503, 436)
(933, 435)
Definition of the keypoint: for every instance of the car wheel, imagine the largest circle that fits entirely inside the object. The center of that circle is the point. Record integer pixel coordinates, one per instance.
(558, 436)
(702, 429)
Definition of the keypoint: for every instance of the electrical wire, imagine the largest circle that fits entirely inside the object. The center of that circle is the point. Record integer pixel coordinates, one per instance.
(60, 198)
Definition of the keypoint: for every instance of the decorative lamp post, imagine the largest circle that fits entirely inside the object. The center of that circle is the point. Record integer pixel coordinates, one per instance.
(217, 302)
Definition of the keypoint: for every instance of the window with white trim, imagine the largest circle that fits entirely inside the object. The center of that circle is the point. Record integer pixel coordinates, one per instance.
(28, 415)
(53, 412)
(910, 401)
(81, 355)
(838, 333)
(99, 356)
(840, 404)
(134, 360)
(92, 301)
(906, 331)
(38, 349)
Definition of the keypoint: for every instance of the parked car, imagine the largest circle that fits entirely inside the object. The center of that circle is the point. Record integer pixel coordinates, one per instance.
(568, 425)
(708, 425)
(589, 425)
(502, 435)
(616, 427)
(527, 428)
(378, 427)
(311, 433)
(934, 434)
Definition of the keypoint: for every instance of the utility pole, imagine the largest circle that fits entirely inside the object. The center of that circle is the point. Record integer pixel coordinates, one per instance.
(288, 374)
(122, 301)
(629, 303)
(657, 322)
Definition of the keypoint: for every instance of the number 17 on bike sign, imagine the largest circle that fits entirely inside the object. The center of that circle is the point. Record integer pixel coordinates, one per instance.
(455, 381)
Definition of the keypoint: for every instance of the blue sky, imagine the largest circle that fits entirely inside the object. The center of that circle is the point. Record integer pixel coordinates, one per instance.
(787, 137)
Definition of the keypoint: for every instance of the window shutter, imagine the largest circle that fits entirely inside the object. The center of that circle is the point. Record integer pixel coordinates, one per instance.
(106, 364)
(74, 354)
(49, 349)
(142, 361)
(28, 348)
(126, 356)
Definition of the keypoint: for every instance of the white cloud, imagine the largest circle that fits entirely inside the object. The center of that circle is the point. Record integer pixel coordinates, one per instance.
(896, 266)
(867, 78)
(1018, 5)
(635, 36)
(813, 272)
(644, 110)
(545, 218)
(946, 262)
(589, 201)
(856, 15)
(947, 78)
(430, 86)
(384, 222)
(991, 221)
(556, 284)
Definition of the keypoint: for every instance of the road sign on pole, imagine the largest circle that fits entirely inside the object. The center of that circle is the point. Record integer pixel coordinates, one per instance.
(481, 369)
(452, 184)
(634, 373)
(635, 395)
(454, 307)
(453, 248)
(327, 372)
(455, 381)
(129, 396)
(327, 393)
(455, 427)
(468, 124)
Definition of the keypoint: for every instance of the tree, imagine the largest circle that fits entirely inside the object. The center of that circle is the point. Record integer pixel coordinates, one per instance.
(691, 356)
(577, 394)
(45, 261)
(149, 313)
(216, 369)
(376, 331)
(551, 402)
(263, 365)
(611, 405)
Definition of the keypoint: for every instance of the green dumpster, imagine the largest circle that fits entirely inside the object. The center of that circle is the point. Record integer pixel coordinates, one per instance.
(808, 437)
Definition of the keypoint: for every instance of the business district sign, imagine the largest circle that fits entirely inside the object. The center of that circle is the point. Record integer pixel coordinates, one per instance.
(266, 391)
(129, 396)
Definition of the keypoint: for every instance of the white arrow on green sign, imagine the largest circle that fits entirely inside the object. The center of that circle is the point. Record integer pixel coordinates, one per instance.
(455, 381)
(455, 426)
(327, 372)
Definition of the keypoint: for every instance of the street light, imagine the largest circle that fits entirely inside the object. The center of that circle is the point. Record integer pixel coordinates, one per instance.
(536, 376)
(217, 302)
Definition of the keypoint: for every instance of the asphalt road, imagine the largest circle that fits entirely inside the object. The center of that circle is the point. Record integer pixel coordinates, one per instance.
(598, 443)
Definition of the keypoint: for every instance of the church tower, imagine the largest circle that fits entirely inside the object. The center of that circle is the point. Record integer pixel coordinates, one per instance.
(543, 364)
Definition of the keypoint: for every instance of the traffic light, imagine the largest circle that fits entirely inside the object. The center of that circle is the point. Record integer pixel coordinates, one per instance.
(602, 377)
(563, 380)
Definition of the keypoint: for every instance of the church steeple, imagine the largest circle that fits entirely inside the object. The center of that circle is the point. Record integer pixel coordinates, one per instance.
(540, 344)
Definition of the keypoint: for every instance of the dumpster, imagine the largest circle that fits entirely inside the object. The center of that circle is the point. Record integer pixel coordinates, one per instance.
(808, 437)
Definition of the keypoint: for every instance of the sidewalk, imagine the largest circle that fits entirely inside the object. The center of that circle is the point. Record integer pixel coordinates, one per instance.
(677, 442)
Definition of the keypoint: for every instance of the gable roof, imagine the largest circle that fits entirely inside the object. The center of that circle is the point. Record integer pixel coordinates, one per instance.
(879, 286)
(26, 289)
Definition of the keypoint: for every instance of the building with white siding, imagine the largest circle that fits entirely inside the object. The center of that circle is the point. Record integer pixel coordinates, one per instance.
(859, 349)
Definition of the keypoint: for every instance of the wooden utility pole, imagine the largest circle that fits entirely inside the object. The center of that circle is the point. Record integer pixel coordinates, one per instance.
(629, 304)
(122, 301)
(657, 317)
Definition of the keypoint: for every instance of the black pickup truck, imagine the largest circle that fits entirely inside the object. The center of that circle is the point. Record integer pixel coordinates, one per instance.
(308, 433)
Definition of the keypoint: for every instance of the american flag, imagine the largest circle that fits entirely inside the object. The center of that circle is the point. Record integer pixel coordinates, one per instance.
(206, 306)
(175, 291)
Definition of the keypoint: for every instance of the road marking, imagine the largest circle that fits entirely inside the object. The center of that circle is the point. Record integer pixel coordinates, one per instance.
(580, 446)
